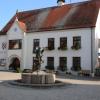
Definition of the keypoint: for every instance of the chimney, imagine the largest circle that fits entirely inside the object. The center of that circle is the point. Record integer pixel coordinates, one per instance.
(60, 2)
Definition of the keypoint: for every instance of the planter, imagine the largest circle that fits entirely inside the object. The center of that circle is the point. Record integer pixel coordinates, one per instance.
(75, 47)
(62, 48)
(49, 48)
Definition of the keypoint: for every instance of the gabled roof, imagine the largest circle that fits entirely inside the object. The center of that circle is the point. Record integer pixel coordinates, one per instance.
(69, 16)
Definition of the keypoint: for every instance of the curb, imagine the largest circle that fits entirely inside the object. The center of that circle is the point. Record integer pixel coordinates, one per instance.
(57, 84)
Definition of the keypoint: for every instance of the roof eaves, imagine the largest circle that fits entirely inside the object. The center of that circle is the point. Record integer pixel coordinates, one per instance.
(57, 29)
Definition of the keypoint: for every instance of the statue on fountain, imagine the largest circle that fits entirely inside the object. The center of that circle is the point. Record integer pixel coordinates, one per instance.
(37, 59)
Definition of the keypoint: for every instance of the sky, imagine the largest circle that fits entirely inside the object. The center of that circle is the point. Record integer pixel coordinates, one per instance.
(8, 7)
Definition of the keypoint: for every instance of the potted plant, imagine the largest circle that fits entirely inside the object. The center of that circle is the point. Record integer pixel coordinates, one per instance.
(76, 46)
(49, 48)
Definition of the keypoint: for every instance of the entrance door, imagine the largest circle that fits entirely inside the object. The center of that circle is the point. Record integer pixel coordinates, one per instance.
(15, 64)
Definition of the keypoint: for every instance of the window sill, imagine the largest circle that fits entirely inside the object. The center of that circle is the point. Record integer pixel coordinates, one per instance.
(14, 49)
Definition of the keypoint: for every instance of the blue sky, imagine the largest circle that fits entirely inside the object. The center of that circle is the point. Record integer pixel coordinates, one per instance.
(8, 7)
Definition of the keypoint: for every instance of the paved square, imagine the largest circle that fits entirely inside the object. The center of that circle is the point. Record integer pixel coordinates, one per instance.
(77, 90)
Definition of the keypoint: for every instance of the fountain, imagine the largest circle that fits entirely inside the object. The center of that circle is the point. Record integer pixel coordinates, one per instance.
(37, 76)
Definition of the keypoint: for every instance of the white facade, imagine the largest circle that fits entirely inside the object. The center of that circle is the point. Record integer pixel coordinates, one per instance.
(43, 36)
(25, 55)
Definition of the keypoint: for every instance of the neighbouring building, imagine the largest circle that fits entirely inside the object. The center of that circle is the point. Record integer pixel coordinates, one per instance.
(69, 33)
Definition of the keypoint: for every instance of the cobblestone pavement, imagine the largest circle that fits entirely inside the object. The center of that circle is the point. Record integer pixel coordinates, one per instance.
(77, 90)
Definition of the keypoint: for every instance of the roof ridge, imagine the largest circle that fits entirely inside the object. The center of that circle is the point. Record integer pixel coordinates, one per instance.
(52, 7)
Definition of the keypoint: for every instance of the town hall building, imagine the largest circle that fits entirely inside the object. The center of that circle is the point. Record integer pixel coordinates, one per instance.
(68, 33)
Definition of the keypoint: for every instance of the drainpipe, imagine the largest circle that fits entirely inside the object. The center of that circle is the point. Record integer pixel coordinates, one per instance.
(91, 52)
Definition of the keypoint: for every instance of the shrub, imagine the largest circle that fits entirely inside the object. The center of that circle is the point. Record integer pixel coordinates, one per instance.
(18, 70)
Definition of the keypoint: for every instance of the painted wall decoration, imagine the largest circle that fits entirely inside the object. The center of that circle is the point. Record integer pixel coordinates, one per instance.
(4, 45)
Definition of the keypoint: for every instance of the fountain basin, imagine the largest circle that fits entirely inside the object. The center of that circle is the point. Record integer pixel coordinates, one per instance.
(38, 78)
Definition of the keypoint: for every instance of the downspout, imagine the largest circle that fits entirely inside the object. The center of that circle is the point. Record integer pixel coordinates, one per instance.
(91, 52)
(23, 51)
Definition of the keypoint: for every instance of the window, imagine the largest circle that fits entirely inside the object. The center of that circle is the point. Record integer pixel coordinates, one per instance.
(63, 63)
(15, 44)
(76, 43)
(63, 43)
(76, 64)
(50, 63)
(51, 43)
(36, 43)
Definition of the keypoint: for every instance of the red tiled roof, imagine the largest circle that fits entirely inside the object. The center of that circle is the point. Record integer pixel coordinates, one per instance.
(78, 15)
